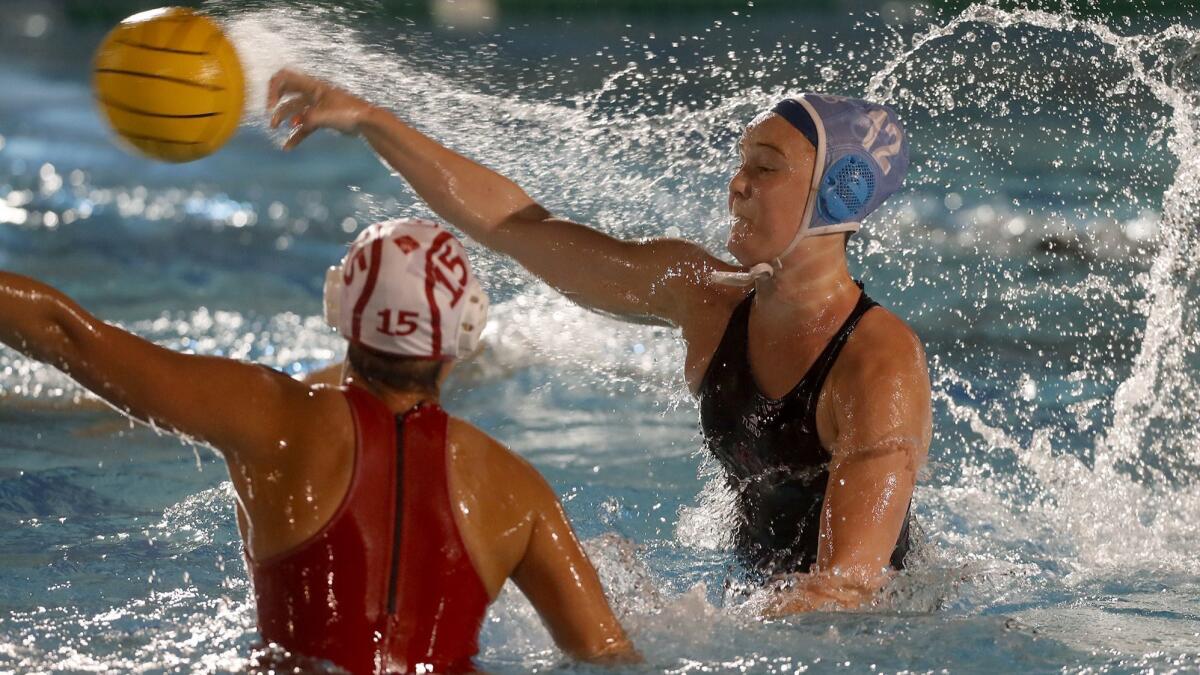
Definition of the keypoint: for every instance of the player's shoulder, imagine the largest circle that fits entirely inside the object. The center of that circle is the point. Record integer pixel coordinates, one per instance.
(487, 462)
(473, 440)
(881, 343)
(881, 384)
(683, 255)
(316, 412)
(687, 270)
(881, 331)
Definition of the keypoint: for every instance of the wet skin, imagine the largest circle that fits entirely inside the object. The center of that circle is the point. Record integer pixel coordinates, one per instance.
(291, 460)
(874, 413)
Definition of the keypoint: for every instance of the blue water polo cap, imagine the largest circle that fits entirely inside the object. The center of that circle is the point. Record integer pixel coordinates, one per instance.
(862, 158)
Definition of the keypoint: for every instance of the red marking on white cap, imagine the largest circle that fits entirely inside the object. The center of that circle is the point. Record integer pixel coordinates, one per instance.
(435, 315)
(406, 244)
(368, 288)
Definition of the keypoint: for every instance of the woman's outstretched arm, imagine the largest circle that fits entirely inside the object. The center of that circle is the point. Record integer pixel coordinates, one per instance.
(656, 278)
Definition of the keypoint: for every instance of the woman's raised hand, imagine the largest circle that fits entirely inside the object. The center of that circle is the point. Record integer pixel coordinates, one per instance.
(311, 104)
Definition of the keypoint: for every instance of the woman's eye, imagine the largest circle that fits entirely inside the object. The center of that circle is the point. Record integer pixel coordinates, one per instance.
(764, 169)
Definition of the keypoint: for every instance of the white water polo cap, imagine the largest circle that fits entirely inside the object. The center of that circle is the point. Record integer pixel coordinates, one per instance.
(861, 160)
(406, 288)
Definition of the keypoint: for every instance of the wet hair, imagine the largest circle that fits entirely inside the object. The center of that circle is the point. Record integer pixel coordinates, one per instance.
(402, 373)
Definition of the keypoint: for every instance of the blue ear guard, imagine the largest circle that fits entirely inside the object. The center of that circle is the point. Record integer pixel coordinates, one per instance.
(846, 190)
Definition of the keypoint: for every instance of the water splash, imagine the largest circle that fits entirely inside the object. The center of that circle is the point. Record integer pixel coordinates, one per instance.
(1148, 452)
(1043, 252)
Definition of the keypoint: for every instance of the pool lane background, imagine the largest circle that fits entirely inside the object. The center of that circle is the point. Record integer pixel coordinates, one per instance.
(119, 550)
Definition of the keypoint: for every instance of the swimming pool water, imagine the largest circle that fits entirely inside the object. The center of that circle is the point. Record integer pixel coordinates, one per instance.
(1043, 252)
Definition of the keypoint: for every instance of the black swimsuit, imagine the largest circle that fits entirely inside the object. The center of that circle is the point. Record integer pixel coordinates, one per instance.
(769, 447)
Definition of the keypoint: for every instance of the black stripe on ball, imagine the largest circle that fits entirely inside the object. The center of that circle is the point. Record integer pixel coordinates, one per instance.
(169, 50)
(156, 76)
(159, 139)
(151, 113)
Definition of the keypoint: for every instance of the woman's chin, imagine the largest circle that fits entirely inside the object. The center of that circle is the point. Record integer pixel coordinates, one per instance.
(735, 251)
(743, 254)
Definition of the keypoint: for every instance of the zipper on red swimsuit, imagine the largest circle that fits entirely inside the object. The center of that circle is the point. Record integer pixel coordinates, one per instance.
(393, 578)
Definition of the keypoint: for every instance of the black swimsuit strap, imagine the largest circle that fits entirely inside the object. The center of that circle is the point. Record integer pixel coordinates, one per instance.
(735, 343)
(824, 363)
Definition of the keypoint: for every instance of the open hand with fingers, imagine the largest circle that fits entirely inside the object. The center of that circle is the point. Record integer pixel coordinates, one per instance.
(310, 104)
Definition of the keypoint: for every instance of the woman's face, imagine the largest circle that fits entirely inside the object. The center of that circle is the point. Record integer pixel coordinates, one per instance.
(769, 192)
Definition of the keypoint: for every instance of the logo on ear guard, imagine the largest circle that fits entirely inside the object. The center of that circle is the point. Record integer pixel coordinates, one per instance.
(846, 189)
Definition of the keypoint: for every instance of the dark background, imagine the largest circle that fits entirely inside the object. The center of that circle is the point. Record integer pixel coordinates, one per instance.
(91, 10)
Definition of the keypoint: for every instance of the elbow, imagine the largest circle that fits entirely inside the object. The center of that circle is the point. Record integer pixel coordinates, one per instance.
(39, 322)
(51, 339)
(55, 346)
(65, 336)
(531, 214)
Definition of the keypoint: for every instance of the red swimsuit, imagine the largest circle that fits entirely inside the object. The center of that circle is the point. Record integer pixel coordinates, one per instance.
(352, 593)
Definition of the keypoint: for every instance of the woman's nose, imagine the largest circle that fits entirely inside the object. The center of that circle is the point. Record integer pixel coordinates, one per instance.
(739, 186)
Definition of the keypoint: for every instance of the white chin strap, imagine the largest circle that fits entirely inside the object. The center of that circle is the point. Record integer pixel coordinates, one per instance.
(763, 270)
(747, 278)
(766, 270)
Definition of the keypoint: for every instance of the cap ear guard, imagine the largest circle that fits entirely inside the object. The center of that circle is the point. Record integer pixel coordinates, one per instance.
(846, 189)
(334, 286)
(473, 319)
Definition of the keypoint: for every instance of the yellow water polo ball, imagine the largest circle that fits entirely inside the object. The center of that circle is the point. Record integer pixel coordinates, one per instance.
(170, 84)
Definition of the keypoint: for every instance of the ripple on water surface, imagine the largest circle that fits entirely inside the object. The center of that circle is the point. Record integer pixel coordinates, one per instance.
(1042, 250)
